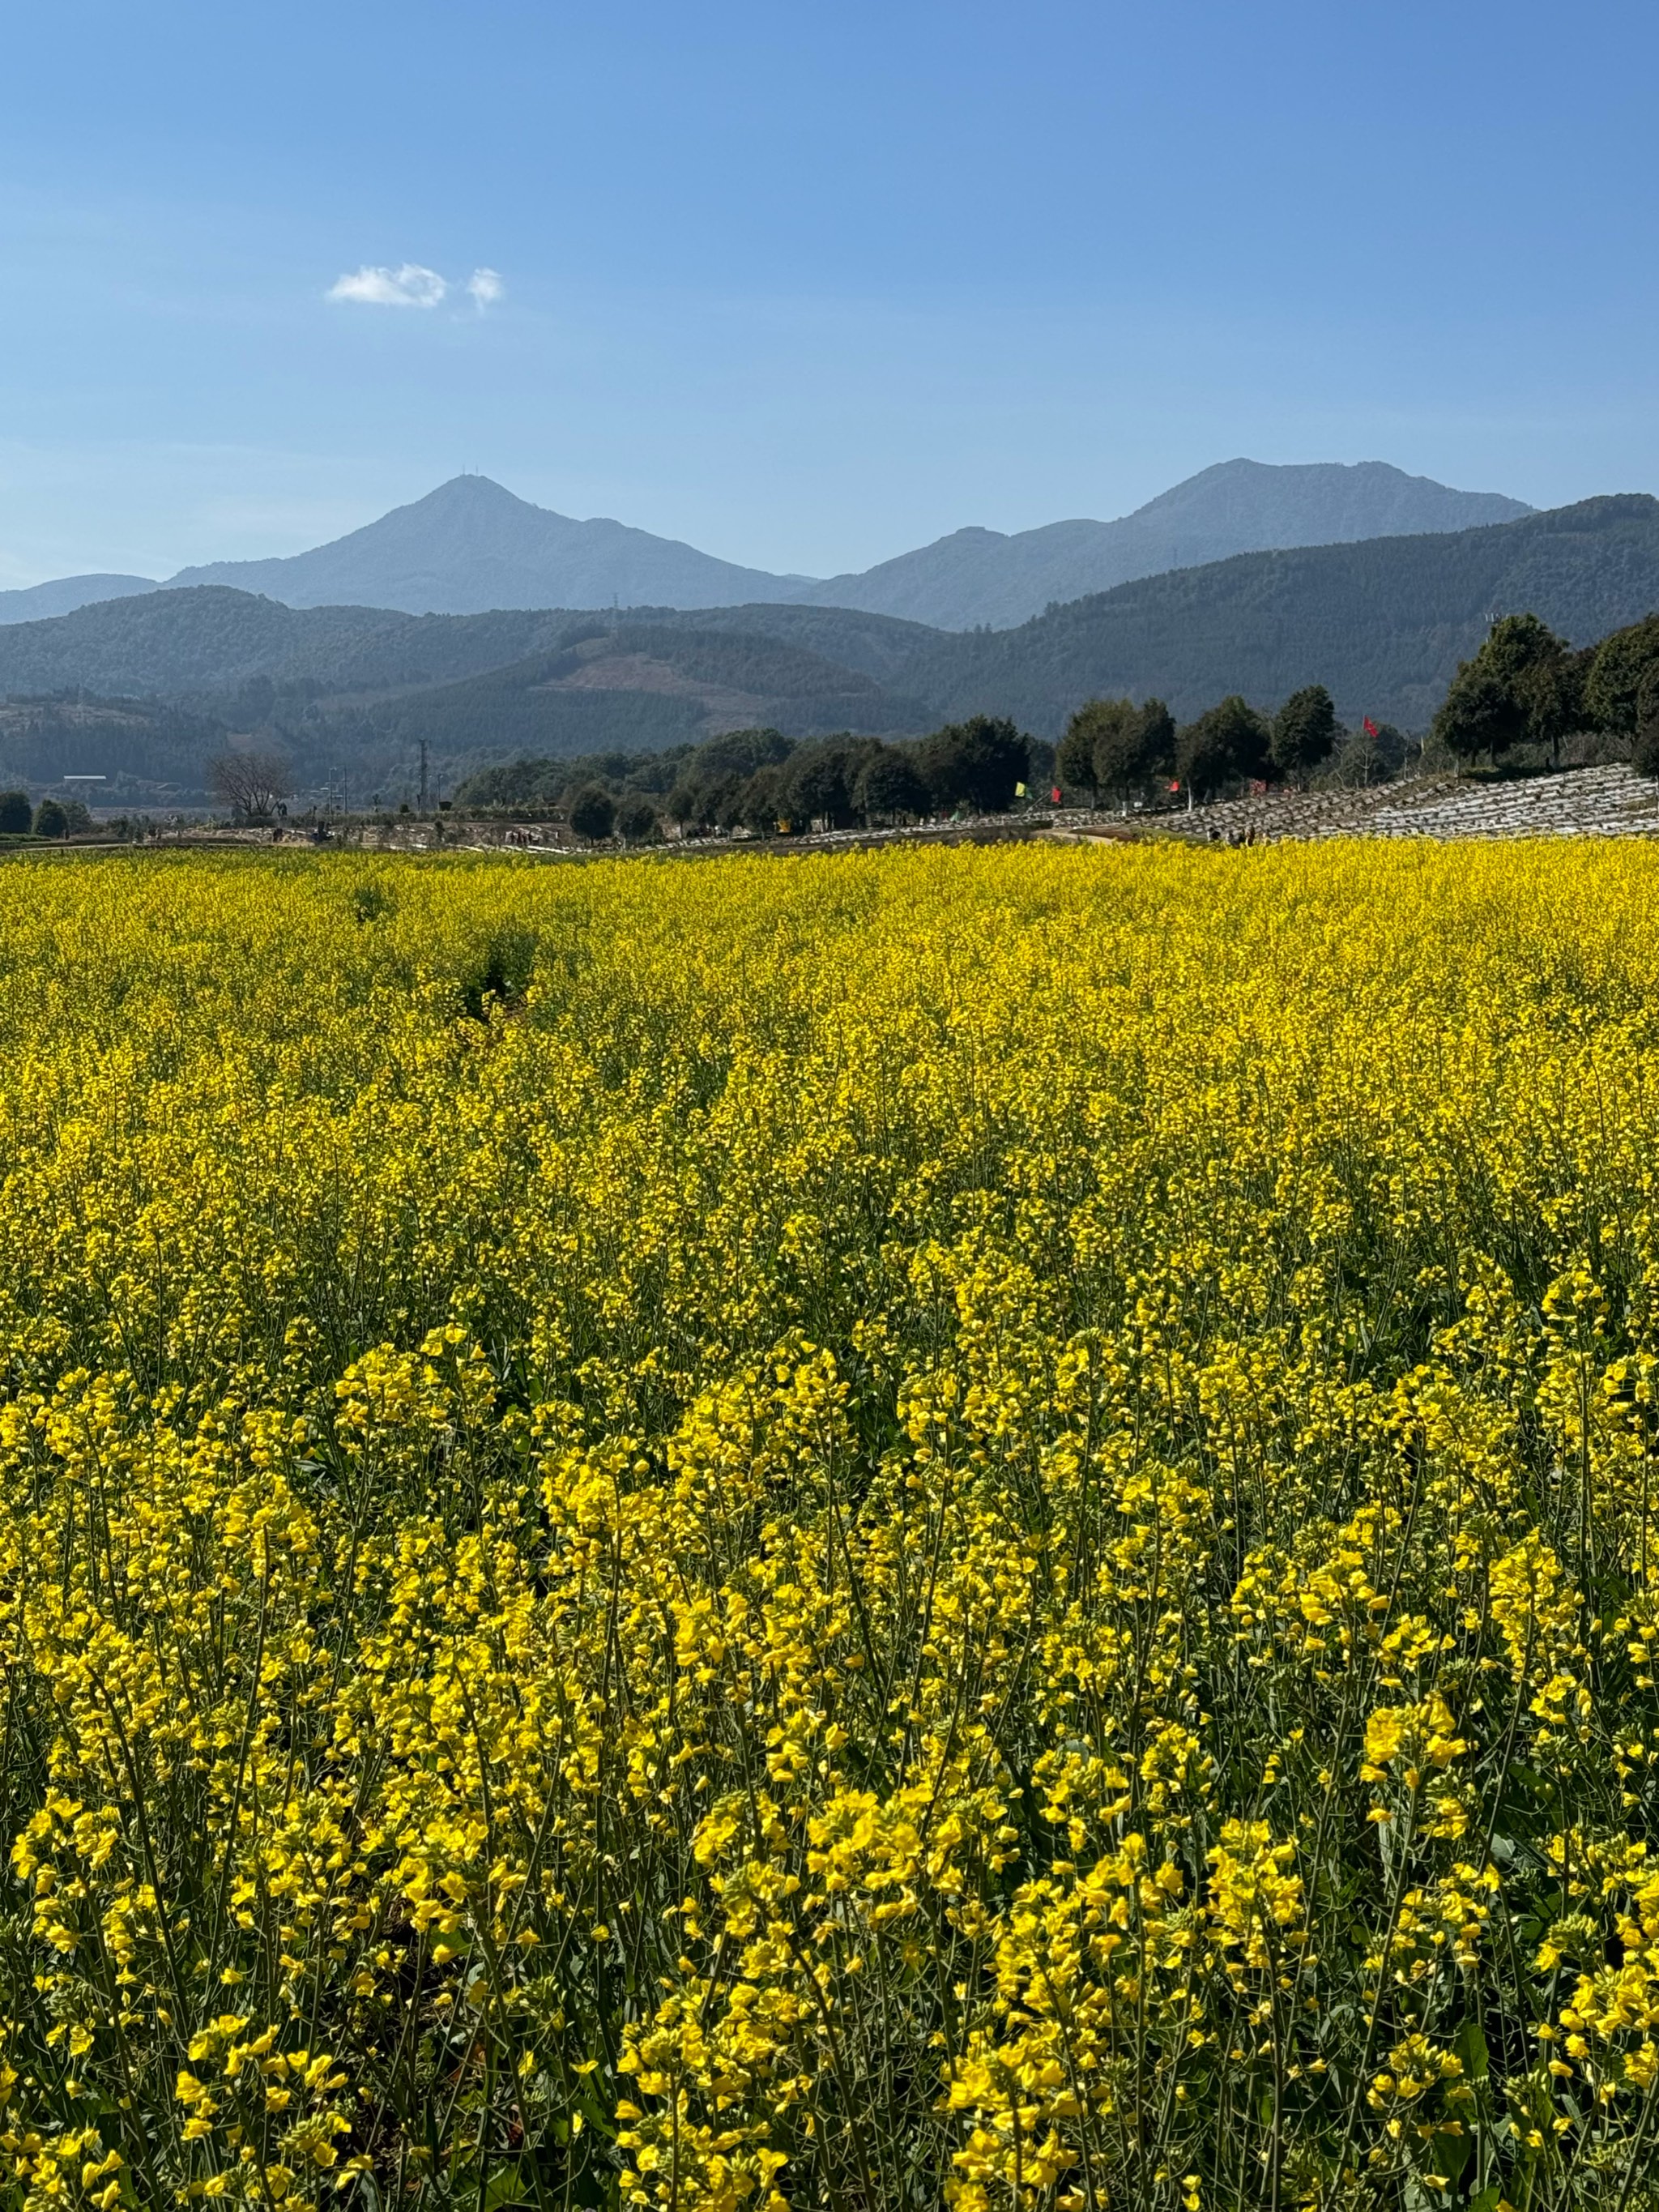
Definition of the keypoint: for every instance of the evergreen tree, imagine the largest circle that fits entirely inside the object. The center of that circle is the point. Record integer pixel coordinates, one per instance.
(890, 786)
(818, 784)
(1155, 747)
(762, 801)
(1619, 667)
(1230, 741)
(1074, 756)
(976, 763)
(15, 814)
(1524, 687)
(1480, 714)
(592, 812)
(1304, 730)
(1112, 745)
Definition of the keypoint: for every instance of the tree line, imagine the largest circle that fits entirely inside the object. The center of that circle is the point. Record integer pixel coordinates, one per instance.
(52, 817)
(1116, 748)
(1125, 752)
(1526, 686)
(762, 781)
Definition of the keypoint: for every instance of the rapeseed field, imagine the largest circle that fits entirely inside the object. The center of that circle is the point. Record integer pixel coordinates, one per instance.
(966, 1529)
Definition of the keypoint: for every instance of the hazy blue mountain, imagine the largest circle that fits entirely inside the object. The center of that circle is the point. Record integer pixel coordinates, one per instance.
(39, 602)
(472, 546)
(979, 576)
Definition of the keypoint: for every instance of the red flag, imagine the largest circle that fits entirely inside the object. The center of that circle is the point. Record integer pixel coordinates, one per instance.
(1371, 730)
(1054, 794)
(1175, 785)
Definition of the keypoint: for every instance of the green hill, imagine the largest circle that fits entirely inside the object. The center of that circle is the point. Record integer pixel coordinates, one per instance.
(637, 688)
(211, 639)
(148, 752)
(1382, 623)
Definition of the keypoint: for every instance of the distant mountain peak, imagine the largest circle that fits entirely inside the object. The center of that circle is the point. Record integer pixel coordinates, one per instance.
(1370, 492)
(470, 545)
(467, 491)
(64, 594)
(1241, 506)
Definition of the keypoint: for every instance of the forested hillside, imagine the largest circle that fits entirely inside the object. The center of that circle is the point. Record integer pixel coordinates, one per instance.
(639, 687)
(1383, 623)
(210, 639)
(146, 752)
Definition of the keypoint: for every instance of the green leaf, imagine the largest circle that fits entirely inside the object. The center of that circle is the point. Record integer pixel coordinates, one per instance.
(505, 2186)
(1470, 2047)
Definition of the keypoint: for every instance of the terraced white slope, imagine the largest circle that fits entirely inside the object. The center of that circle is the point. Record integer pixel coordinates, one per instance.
(1586, 802)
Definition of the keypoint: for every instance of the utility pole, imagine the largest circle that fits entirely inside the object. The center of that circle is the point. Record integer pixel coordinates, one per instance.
(422, 775)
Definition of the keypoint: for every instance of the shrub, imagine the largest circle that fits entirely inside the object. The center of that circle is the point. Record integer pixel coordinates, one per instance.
(500, 970)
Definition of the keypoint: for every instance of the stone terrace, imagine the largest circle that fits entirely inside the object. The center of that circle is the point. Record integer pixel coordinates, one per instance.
(1585, 802)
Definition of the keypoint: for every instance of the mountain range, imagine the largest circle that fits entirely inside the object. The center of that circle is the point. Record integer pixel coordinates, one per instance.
(471, 547)
(1383, 623)
(977, 577)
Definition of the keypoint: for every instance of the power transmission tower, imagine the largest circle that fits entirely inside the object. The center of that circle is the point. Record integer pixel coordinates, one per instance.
(423, 776)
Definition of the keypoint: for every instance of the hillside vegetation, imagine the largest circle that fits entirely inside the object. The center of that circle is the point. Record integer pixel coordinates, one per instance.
(208, 642)
(1383, 624)
(140, 748)
(637, 687)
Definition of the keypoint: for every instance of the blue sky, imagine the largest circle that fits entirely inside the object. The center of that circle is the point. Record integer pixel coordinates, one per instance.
(810, 284)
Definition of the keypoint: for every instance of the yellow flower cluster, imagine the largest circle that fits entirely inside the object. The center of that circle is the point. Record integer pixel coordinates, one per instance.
(961, 1527)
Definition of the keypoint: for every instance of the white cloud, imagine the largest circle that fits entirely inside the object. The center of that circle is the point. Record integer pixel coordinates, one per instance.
(486, 287)
(410, 286)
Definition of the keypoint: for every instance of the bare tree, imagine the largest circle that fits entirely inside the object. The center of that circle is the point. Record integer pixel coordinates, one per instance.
(252, 784)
